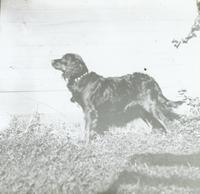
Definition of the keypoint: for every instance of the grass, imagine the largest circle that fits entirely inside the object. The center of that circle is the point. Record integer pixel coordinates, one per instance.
(38, 159)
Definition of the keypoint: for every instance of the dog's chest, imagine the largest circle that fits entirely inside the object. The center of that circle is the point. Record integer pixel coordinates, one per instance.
(82, 91)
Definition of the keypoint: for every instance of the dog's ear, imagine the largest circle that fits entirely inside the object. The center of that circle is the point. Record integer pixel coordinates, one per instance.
(80, 63)
(78, 59)
(73, 58)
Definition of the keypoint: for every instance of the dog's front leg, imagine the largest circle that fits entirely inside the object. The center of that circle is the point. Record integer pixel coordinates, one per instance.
(90, 123)
(87, 127)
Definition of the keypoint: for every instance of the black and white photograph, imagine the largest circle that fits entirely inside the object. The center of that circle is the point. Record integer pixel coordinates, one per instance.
(99, 97)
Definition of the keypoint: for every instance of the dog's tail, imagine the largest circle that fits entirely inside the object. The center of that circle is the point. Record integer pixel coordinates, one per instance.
(169, 108)
(169, 103)
(175, 104)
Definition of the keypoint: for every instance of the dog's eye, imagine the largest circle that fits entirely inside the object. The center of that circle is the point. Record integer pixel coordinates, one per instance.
(63, 60)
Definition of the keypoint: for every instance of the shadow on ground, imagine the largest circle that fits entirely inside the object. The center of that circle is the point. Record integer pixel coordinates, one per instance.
(167, 159)
(157, 160)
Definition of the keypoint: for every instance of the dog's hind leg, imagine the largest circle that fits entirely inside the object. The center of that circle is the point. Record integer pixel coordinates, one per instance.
(155, 122)
(139, 111)
(154, 117)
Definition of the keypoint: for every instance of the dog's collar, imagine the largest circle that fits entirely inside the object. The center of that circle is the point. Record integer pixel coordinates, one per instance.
(75, 80)
(80, 77)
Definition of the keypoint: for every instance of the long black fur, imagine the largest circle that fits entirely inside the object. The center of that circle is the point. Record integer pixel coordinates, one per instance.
(115, 100)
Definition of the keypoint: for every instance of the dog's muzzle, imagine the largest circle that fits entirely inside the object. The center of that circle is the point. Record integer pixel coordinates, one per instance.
(55, 63)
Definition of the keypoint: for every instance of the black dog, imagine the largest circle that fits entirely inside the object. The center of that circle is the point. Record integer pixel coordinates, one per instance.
(115, 100)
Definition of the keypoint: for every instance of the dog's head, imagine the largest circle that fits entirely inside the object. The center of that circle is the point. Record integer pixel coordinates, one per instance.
(71, 65)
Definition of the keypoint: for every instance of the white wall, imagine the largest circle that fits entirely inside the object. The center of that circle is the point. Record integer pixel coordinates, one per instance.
(114, 37)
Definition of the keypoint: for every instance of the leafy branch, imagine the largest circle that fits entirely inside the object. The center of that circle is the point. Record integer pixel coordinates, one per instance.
(195, 27)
